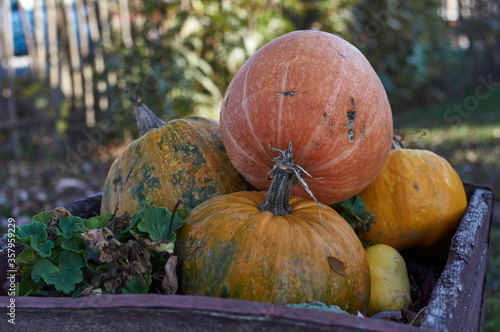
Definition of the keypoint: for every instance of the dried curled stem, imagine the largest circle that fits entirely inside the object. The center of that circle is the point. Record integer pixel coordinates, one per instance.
(146, 119)
(285, 172)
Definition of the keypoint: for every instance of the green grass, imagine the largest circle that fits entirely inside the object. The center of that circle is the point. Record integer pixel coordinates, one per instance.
(493, 283)
(472, 146)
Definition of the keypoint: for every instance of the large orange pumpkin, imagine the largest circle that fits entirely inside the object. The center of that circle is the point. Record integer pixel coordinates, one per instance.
(232, 246)
(319, 92)
(418, 200)
(184, 158)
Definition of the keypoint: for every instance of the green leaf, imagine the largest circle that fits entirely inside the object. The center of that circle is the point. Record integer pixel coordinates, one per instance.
(44, 217)
(154, 222)
(70, 245)
(182, 213)
(98, 268)
(27, 258)
(79, 291)
(35, 236)
(30, 288)
(353, 210)
(69, 226)
(97, 222)
(63, 276)
(137, 285)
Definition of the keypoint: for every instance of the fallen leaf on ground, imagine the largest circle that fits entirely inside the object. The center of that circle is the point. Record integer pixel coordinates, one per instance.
(170, 283)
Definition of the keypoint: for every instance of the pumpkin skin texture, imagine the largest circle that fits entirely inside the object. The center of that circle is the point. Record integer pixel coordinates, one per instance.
(319, 92)
(183, 159)
(390, 286)
(231, 249)
(418, 200)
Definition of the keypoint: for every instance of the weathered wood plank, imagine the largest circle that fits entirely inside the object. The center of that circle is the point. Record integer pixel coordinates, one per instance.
(86, 207)
(457, 300)
(183, 313)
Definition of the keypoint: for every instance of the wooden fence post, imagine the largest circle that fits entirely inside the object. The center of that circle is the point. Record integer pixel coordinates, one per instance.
(10, 92)
(54, 71)
(125, 20)
(28, 37)
(41, 50)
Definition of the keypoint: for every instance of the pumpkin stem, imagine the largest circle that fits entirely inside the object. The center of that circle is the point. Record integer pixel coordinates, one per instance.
(285, 171)
(397, 141)
(277, 199)
(172, 217)
(145, 118)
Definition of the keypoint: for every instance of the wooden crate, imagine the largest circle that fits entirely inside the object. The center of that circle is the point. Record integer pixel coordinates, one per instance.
(457, 302)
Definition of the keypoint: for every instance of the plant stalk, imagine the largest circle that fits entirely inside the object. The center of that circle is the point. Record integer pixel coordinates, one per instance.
(145, 118)
(277, 199)
(285, 171)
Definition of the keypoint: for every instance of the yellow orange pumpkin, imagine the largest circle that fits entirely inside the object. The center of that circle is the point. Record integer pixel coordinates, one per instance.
(418, 200)
(233, 246)
(232, 249)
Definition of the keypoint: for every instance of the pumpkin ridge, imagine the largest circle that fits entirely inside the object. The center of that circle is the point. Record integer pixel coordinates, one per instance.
(244, 106)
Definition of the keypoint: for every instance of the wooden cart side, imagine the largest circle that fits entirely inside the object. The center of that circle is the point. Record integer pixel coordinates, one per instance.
(183, 313)
(456, 303)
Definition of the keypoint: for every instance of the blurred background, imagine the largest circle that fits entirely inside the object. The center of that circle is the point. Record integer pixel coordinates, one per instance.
(66, 67)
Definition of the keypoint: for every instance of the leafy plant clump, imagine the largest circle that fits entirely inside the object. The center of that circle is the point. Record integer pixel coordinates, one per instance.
(353, 210)
(65, 255)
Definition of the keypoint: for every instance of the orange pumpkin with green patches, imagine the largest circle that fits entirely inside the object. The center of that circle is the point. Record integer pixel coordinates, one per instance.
(234, 246)
(184, 158)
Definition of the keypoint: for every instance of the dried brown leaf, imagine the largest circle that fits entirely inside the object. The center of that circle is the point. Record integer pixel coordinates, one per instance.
(337, 265)
(103, 241)
(170, 283)
(120, 222)
(90, 291)
(53, 223)
(139, 259)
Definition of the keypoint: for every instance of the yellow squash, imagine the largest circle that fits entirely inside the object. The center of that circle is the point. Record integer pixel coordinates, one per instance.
(389, 280)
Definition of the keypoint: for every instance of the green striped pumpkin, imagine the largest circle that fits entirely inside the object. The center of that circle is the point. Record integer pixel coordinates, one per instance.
(184, 158)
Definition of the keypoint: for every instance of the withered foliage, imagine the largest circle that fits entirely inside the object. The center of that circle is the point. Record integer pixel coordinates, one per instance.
(128, 259)
(170, 283)
(53, 223)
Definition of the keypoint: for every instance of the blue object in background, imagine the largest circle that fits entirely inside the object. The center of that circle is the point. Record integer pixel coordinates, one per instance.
(20, 47)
